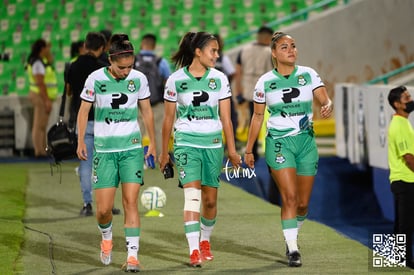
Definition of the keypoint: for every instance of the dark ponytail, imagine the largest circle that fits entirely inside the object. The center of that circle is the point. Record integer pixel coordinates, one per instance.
(188, 44)
(36, 48)
(120, 46)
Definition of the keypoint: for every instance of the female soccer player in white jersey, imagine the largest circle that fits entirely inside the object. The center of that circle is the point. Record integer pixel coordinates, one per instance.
(291, 153)
(114, 92)
(198, 96)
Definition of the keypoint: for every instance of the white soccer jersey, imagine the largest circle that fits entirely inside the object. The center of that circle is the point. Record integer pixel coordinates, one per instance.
(288, 100)
(198, 123)
(116, 125)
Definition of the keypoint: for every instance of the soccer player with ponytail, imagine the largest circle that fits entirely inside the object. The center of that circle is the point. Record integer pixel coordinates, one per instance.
(288, 92)
(117, 92)
(198, 96)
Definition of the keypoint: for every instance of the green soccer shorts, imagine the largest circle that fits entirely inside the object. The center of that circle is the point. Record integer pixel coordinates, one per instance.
(110, 169)
(202, 164)
(298, 152)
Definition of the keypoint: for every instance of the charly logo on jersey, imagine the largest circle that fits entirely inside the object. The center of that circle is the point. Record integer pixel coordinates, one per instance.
(95, 166)
(301, 80)
(212, 84)
(182, 173)
(131, 86)
(102, 87)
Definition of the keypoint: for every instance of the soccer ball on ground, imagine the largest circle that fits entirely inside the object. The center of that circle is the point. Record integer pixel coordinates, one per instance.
(153, 198)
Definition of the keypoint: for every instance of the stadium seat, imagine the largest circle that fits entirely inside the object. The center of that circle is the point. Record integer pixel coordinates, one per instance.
(24, 21)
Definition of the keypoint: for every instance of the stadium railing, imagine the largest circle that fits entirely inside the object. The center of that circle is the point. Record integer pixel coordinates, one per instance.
(386, 77)
(301, 14)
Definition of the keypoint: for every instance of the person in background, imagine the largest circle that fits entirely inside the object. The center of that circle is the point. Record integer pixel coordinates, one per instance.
(43, 91)
(288, 92)
(77, 73)
(157, 70)
(198, 96)
(76, 48)
(252, 61)
(117, 93)
(401, 163)
(225, 65)
(104, 56)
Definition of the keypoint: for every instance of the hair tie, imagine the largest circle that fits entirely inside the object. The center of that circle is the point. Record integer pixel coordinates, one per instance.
(121, 52)
(278, 35)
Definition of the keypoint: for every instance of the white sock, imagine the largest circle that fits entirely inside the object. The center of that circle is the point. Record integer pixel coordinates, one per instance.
(206, 232)
(291, 238)
(300, 223)
(132, 244)
(193, 237)
(106, 232)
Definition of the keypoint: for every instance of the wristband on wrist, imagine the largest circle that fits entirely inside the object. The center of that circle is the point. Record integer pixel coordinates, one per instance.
(246, 153)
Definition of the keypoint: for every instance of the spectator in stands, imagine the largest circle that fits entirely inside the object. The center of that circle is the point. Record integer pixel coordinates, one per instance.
(225, 65)
(78, 71)
(252, 61)
(43, 91)
(117, 93)
(401, 163)
(200, 97)
(104, 56)
(288, 92)
(76, 48)
(157, 70)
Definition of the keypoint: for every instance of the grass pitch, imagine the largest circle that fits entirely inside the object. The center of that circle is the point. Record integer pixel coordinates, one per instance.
(247, 238)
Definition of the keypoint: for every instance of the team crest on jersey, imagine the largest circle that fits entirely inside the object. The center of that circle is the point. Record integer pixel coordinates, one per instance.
(280, 158)
(131, 86)
(212, 84)
(301, 80)
(135, 141)
(216, 140)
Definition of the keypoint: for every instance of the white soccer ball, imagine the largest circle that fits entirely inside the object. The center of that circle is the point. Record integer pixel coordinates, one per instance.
(153, 198)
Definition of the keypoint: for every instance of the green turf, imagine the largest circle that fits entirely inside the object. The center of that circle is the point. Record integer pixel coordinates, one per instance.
(12, 206)
(247, 238)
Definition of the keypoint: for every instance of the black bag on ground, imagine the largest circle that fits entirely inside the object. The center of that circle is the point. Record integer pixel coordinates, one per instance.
(61, 142)
(61, 139)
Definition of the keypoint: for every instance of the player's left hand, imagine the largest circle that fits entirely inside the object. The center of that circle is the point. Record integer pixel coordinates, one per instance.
(326, 110)
(235, 159)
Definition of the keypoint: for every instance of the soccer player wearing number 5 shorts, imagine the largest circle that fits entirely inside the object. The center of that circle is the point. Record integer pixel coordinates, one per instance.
(291, 154)
(199, 97)
(117, 93)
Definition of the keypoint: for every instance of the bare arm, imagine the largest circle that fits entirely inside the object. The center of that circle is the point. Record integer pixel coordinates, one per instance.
(169, 115)
(409, 161)
(225, 118)
(255, 125)
(82, 121)
(148, 118)
(321, 95)
(238, 80)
